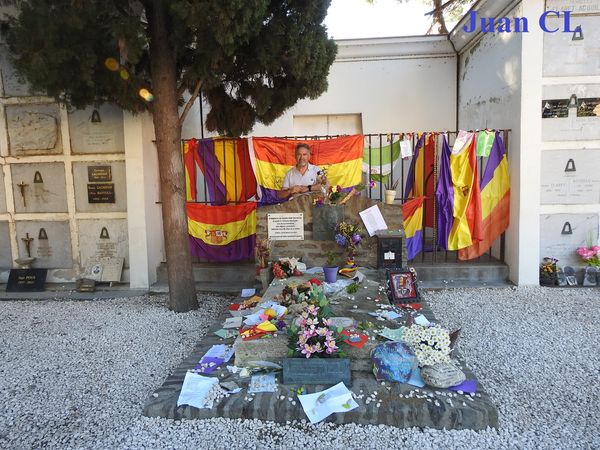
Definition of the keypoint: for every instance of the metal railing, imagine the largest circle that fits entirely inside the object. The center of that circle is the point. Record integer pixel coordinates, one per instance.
(381, 142)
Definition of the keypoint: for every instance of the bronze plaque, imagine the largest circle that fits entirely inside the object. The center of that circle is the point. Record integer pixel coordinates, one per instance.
(101, 193)
(99, 173)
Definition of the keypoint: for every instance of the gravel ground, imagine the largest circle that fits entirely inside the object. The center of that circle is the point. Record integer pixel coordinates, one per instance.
(76, 374)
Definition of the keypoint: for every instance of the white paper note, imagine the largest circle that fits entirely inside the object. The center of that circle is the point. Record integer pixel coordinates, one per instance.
(322, 404)
(406, 148)
(195, 389)
(373, 220)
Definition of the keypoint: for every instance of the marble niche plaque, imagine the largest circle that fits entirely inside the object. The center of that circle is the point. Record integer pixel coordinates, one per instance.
(5, 247)
(579, 57)
(572, 127)
(39, 187)
(86, 176)
(2, 192)
(34, 129)
(570, 177)
(103, 239)
(557, 242)
(105, 136)
(51, 244)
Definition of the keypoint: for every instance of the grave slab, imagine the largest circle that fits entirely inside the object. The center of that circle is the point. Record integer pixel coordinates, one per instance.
(561, 234)
(39, 187)
(12, 86)
(400, 405)
(103, 239)
(2, 192)
(105, 136)
(85, 173)
(34, 129)
(51, 244)
(570, 177)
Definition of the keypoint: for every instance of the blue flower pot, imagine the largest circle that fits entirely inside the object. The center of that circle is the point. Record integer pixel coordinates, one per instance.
(330, 273)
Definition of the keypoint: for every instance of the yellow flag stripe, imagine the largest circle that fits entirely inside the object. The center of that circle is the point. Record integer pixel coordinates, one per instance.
(225, 233)
(495, 190)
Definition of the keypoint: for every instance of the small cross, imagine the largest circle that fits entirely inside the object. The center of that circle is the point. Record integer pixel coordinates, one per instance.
(27, 241)
(22, 185)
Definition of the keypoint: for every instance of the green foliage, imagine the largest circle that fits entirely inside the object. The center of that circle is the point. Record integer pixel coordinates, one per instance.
(331, 258)
(352, 288)
(254, 58)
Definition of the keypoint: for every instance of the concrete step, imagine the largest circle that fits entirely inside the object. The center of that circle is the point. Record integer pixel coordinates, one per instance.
(463, 273)
(210, 277)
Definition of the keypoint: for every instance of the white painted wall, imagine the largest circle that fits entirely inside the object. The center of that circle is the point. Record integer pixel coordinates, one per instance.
(396, 84)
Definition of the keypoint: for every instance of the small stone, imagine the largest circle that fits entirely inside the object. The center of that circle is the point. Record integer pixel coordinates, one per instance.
(155, 395)
(294, 403)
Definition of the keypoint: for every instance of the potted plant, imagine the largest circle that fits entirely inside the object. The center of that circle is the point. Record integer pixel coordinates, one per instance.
(390, 190)
(548, 272)
(331, 269)
(591, 256)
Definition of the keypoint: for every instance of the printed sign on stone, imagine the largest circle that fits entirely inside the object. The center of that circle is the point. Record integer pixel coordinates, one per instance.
(561, 234)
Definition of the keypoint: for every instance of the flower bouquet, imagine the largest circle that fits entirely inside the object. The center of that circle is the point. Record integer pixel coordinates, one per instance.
(430, 344)
(590, 255)
(313, 334)
(285, 268)
(548, 271)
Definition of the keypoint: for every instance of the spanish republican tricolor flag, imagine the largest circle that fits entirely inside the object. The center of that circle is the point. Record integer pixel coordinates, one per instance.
(495, 201)
(189, 164)
(222, 233)
(420, 178)
(467, 226)
(272, 158)
(412, 217)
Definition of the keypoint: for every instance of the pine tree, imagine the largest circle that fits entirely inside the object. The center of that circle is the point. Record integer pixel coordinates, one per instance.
(250, 59)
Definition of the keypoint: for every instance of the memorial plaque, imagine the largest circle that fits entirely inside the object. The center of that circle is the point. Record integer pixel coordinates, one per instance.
(285, 226)
(26, 280)
(5, 246)
(99, 173)
(92, 244)
(571, 128)
(588, 107)
(39, 187)
(552, 109)
(555, 241)
(103, 135)
(579, 57)
(86, 175)
(101, 192)
(51, 253)
(104, 269)
(570, 177)
(324, 371)
(34, 129)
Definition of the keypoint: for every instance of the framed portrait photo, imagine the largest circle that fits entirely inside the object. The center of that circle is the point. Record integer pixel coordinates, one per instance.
(402, 285)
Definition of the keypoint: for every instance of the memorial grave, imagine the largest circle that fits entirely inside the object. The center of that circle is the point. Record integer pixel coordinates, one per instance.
(390, 403)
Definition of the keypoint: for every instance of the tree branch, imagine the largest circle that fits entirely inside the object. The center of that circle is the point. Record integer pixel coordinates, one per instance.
(190, 102)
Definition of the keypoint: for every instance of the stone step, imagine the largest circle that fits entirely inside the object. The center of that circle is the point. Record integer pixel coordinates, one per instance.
(466, 273)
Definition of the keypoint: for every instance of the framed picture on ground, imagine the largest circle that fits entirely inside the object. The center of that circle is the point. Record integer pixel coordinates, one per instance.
(402, 285)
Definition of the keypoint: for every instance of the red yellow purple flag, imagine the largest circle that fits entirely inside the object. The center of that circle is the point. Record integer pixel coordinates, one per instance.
(467, 227)
(273, 157)
(495, 201)
(412, 217)
(222, 233)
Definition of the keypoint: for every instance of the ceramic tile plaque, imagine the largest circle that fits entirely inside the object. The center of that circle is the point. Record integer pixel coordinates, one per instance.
(34, 129)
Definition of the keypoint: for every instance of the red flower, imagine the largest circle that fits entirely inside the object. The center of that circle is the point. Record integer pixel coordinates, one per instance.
(297, 273)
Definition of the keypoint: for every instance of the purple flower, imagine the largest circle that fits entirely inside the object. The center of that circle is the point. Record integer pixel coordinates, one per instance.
(356, 239)
(341, 240)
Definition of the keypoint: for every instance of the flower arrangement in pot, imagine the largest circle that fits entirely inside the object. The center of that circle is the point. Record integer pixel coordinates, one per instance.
(590, 253)
(330, 270)
(548, 271)
(349, 236)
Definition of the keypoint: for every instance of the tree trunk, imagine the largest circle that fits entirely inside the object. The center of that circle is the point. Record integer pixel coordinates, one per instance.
(165, 114)
(438, 18)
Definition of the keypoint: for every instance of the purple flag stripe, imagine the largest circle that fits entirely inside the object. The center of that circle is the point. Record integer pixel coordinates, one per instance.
(444, 196)
(410, 179)
(212, 168)
(238, 250)
(414, 245)
(496, 154)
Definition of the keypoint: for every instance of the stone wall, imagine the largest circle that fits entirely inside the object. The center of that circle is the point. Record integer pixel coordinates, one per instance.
(312, 252)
